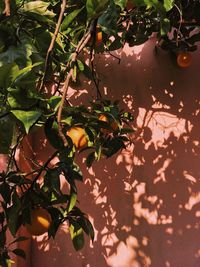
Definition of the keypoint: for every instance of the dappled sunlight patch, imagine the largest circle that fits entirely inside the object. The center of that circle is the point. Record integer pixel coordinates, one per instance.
(194, 199)
(162, 125)
(126, 255)
(129, 101)
(161, 172)
(189, 177)
(169, 231)
(136, 51)
(150, 216)
(197, 254)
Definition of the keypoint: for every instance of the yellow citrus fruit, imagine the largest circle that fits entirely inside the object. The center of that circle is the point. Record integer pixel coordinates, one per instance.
(40, 222)
(78, 136)
(184, 59)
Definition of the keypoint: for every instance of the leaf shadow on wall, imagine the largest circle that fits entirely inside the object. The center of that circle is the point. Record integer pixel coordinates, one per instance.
(144, 202)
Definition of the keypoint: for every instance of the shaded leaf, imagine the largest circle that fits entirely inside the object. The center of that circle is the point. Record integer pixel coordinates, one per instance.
(20, 239)
(19, 252)
(96, 7)
(77, 236)
(6, 134)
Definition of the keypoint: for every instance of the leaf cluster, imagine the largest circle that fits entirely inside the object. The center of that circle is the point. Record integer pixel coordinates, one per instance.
(29, 68)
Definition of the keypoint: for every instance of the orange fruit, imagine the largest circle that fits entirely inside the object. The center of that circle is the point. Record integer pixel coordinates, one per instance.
(78, 136)
(184, 59)
(40, 222)
(99, 37)
(113, 124)
(102, 117)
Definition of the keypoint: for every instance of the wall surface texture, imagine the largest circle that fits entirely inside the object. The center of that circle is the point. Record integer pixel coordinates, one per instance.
(145, 202)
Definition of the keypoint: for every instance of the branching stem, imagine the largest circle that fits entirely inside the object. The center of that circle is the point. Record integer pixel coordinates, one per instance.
(83, 42)
(51, 46)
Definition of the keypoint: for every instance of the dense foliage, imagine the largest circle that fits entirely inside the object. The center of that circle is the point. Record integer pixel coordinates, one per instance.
(41, 43)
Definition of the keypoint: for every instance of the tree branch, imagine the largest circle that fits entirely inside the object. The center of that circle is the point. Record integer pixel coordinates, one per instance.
(44, 167)
(51, 46)
(83, 42)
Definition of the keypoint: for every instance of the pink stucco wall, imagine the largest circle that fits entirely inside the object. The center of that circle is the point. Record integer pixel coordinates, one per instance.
(145, 202)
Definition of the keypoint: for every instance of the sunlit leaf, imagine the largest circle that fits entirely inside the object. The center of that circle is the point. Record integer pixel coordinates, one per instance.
(69, 18)
(168, 4)
(95, 7)
(77, 236)
(28, 118)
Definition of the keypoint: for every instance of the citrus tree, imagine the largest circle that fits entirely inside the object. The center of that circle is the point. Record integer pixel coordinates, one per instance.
(42, 43)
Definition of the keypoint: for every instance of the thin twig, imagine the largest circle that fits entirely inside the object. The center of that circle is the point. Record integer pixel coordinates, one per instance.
(116, 57)
(95, 79)
(44, 167)
(12, 154)
(180, 22)
(51, 46)
(92, 57)
(83, 42)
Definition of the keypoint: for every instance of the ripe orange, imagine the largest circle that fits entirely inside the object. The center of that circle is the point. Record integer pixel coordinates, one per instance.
(184, 59)
(78, 136)
(40, 222)
(99, 38)
(113, 124)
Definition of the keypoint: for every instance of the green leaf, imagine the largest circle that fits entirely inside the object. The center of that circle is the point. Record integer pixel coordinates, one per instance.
(69, 18)
(54, 102)
(72, 172)
(164, 26)
(20, 239)
(80, 65)
(13, 214)
(28, 118)
(168, 4)
(19, 54)
(90, 159)
(8, 73)
(39, 7)
(3, 236)
(108, 20)
(20, 98)
(121, 3)
(77, 236)
(6, 134)
(5, 192)
(19, 252)
(96, 7)
(87, 72)
(57, 217)
(52, 181)
(87, 227)
(5, 260)
(51, 132)
(22, 72)
(98, 150)
(73, 198)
